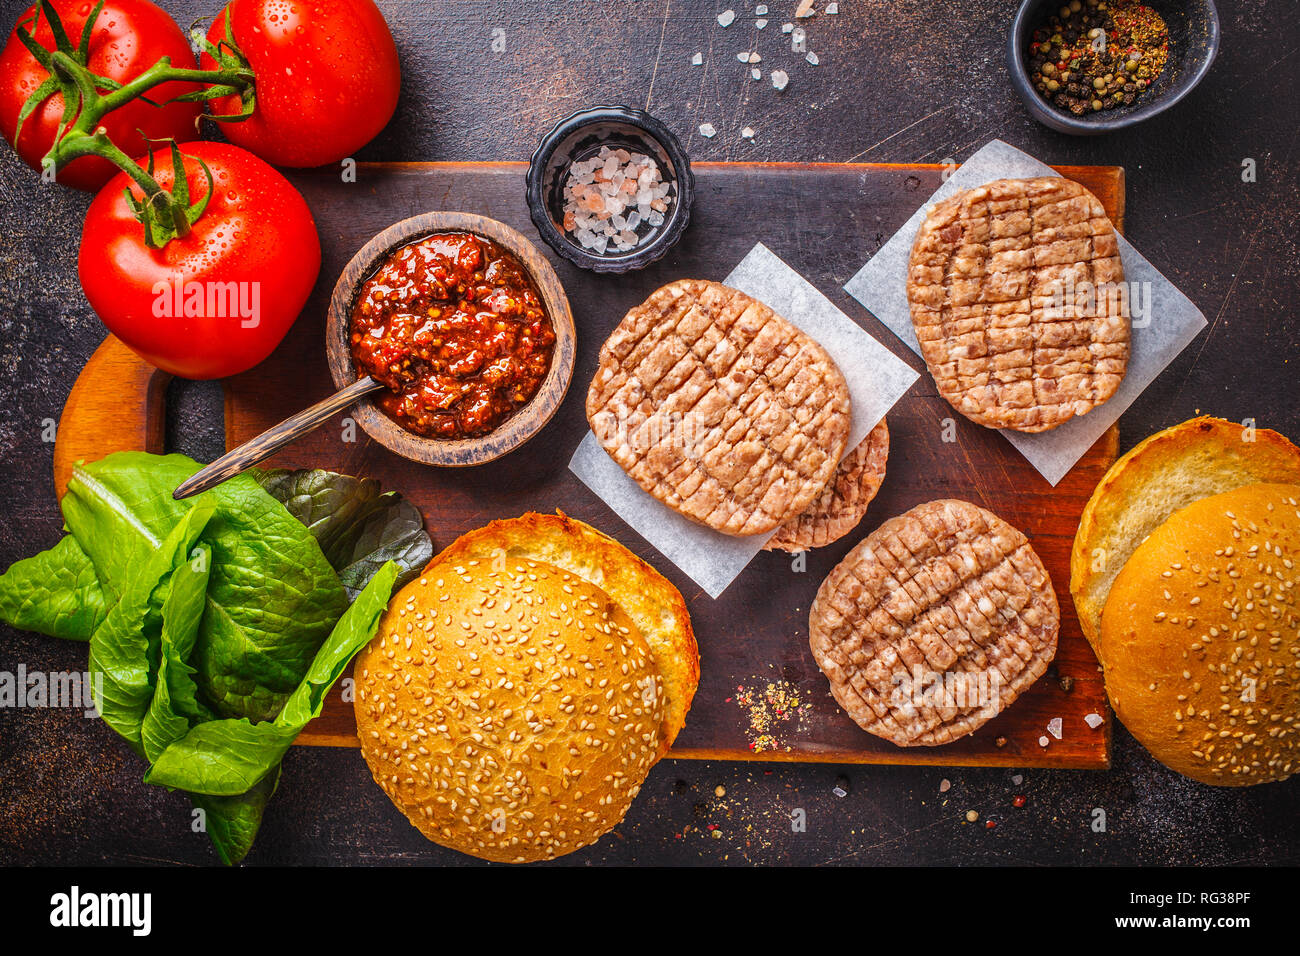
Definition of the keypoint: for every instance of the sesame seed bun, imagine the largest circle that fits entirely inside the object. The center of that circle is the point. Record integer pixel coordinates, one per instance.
(1200, 638)
(510, 706)
(1171, 469)
(643, 593)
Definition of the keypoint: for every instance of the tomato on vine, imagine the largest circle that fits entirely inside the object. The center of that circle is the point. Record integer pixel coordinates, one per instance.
(125, 39)
(327, 77)
(218, 271)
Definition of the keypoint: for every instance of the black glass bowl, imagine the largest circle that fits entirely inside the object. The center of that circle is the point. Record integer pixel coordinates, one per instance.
(579, 137)
(1193, 44)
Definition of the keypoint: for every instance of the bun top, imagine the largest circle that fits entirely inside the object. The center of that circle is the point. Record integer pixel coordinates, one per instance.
(1200, 638)
(643, 593)
(509, 708)
(1171, 469)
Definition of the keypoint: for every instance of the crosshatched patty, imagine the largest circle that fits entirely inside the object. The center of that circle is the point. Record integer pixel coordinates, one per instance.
(938, 620)
(719, 407)
(1017, 304)
(843, 501)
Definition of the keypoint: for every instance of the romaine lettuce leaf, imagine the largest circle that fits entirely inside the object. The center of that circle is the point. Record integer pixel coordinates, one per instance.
(217, 624)
(232, 822)
(228, 757)
(356, 526)
(175, 702)
(55, 592)
(272, 596)
(124, 649)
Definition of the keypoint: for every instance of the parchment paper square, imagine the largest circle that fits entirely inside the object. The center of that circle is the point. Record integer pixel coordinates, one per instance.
(1173, 321)
(876, 380)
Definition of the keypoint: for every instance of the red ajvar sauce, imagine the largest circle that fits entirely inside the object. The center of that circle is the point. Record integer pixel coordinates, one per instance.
(455, 328)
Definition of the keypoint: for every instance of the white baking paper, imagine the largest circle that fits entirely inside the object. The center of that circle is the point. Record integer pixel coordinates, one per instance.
(876, 380)
(1170, 323)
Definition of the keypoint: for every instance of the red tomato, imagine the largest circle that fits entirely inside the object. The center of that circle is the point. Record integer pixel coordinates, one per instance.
(129, 37)
(219, 300)
(327, 77)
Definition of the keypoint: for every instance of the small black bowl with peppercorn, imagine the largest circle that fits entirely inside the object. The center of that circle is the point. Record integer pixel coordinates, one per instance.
(1085, 67)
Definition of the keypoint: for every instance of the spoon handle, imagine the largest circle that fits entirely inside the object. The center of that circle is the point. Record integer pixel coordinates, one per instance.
(273, 439)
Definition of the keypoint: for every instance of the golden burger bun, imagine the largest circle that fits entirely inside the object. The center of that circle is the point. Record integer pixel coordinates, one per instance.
(510, 706)
(1168, 471)
(644, 594)
(1200, 638)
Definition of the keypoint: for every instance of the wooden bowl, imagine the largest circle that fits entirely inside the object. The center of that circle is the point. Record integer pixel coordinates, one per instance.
(510, 434)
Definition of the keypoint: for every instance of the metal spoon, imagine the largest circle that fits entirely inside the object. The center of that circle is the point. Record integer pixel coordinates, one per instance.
(273, 439)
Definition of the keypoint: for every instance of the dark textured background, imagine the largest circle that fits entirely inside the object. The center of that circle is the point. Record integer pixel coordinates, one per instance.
(900, 81)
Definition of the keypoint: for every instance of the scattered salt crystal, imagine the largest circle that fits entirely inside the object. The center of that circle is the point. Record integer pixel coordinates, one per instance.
(805, 9)
(1042, 741)
(760, 10)
(1017, 780)
(945, 785)
(756, 73)
(812, 58)
(787, 27)
(697, 59)
(832, 8)
(726, 17)
(760, 23)
(1054, 727)
(747, 133)
(779, 79)
(707, 130)
(1093, 720)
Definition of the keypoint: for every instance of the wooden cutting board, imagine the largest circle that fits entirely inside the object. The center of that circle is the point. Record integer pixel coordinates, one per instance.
(761, 695)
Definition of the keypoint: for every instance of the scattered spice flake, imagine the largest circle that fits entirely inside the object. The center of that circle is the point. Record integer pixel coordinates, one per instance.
(726, 18)
(1054, 727)
(812, 58)
(719, 791)
(707, 130)
(1019, 801)
(770, 709)
(972, 815)
(697, 60)
(1093, 720)
(1000, 742)
(779, 79)
(805, 8)
(990, 824)
(945, 785)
